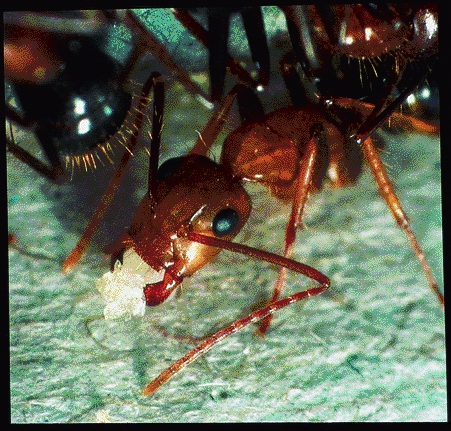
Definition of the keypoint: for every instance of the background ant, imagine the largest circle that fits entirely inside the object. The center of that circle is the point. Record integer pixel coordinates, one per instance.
(85, 120)
(374, 331)
(62, 60)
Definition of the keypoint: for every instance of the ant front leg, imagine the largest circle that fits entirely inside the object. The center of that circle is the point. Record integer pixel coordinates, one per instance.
(316, 151)
(53, 173)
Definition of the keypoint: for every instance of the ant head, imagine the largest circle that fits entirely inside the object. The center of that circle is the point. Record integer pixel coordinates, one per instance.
(194, 194)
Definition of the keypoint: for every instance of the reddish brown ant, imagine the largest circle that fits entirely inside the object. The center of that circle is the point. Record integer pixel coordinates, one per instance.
(186, 218)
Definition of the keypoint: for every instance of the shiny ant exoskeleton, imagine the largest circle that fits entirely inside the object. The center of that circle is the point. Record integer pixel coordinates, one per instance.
(363, 51)
(71, 91)
(74, 90)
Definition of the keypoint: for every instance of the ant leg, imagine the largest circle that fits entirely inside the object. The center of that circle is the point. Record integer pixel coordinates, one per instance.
(386, 188)
(296, 89)
(51, 174)
(202, 36)
(299, 28)
(148, 42)
(305, 176)
(214, 126)
(388, 193)
(372, 122)
(207, 344)
(54, 173)
(236, 326)
(258, 45)
(114, 183)
(397, 120)
(372, 157)
(218, 32)
(249, 105)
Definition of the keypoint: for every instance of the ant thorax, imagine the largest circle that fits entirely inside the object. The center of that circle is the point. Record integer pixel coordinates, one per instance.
(123, 288)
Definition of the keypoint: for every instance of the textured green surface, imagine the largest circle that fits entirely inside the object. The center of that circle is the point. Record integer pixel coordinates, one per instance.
(370, 349)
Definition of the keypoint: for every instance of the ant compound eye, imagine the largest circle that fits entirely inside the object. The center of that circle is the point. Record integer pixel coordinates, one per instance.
(169, 167)
(225, 222)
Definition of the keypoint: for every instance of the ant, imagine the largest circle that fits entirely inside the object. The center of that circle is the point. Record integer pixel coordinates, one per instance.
(182, 223)
(77, 97)
(186, 219)
(315, 63)
(165, 180)
(73, 94)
